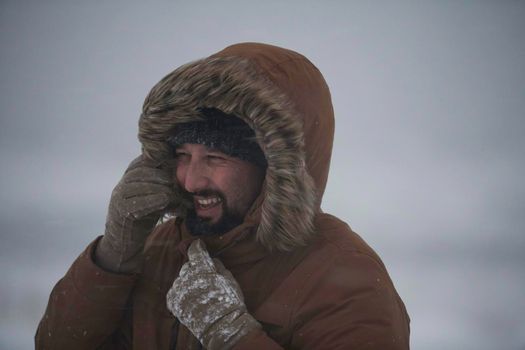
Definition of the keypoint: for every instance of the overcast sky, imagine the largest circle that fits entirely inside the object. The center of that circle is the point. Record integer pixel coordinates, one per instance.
(428, 163)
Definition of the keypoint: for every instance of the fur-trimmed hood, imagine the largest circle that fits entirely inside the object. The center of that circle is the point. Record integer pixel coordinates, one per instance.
(284, 98)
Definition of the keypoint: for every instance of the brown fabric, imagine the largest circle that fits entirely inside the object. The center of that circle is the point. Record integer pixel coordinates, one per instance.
(86, 308)
(338, 297)
(308, 279)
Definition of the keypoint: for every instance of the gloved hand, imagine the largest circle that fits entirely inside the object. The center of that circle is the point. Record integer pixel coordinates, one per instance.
(136, 205)
(207, 299)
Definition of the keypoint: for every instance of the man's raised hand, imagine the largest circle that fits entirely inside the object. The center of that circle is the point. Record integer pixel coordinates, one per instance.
(137, 202)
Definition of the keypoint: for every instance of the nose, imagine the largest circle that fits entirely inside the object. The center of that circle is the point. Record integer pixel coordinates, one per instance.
(193, 176)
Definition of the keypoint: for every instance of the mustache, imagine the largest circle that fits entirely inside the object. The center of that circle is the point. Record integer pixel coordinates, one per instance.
(189, 196)
(207, 193)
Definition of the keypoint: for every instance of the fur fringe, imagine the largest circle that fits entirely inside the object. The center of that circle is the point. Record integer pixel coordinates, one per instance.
(235, 86)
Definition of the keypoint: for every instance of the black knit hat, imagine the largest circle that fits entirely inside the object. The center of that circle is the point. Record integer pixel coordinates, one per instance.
(223, 132)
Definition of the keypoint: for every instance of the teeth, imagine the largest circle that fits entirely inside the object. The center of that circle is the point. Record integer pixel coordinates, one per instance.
(208, 201)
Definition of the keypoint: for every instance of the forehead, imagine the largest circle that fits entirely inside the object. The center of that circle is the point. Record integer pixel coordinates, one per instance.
(200, 152)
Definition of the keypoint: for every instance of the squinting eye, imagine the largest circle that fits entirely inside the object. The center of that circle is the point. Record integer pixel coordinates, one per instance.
(179, 156)
(214, 157)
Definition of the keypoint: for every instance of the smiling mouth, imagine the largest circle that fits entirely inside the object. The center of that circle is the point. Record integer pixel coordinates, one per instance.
(207, 203)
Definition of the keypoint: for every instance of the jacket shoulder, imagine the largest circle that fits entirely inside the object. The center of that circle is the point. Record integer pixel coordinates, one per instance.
(341, 296)
(336, 238)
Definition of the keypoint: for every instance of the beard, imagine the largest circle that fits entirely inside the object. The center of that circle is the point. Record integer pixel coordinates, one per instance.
(199, 226)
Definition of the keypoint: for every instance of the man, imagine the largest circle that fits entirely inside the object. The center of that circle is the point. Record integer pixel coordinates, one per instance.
(237, 146)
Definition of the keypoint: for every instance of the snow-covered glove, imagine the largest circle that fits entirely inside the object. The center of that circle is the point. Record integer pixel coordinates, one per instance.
(136, 204)
(207, 299)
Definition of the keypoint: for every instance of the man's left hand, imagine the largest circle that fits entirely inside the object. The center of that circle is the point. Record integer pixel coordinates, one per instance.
(208, 300)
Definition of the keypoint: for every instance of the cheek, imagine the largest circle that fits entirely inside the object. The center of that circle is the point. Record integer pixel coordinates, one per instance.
(232, 186)
(248, 186)
(179, 174)
(240, 185)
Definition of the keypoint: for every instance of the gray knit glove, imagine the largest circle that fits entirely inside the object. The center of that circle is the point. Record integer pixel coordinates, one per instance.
(207, 299)
(136, 205)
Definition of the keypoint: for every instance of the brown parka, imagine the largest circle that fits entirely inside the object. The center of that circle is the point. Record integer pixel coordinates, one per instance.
(306, 277)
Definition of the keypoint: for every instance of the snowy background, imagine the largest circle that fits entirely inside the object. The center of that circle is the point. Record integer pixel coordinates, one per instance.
(429, 148)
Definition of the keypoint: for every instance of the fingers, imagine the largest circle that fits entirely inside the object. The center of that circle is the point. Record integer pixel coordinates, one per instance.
(221, 269)
(139, 207)
(200, 262)
(219, 266)
(142, 161)
(143, 190)
(149, 175)
(199, 257)
(205, 297)
(138, 189)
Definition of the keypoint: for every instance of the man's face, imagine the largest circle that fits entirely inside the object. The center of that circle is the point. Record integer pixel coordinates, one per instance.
(223, 187)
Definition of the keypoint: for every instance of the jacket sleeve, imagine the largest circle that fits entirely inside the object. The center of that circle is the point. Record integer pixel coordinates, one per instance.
(87, 308)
